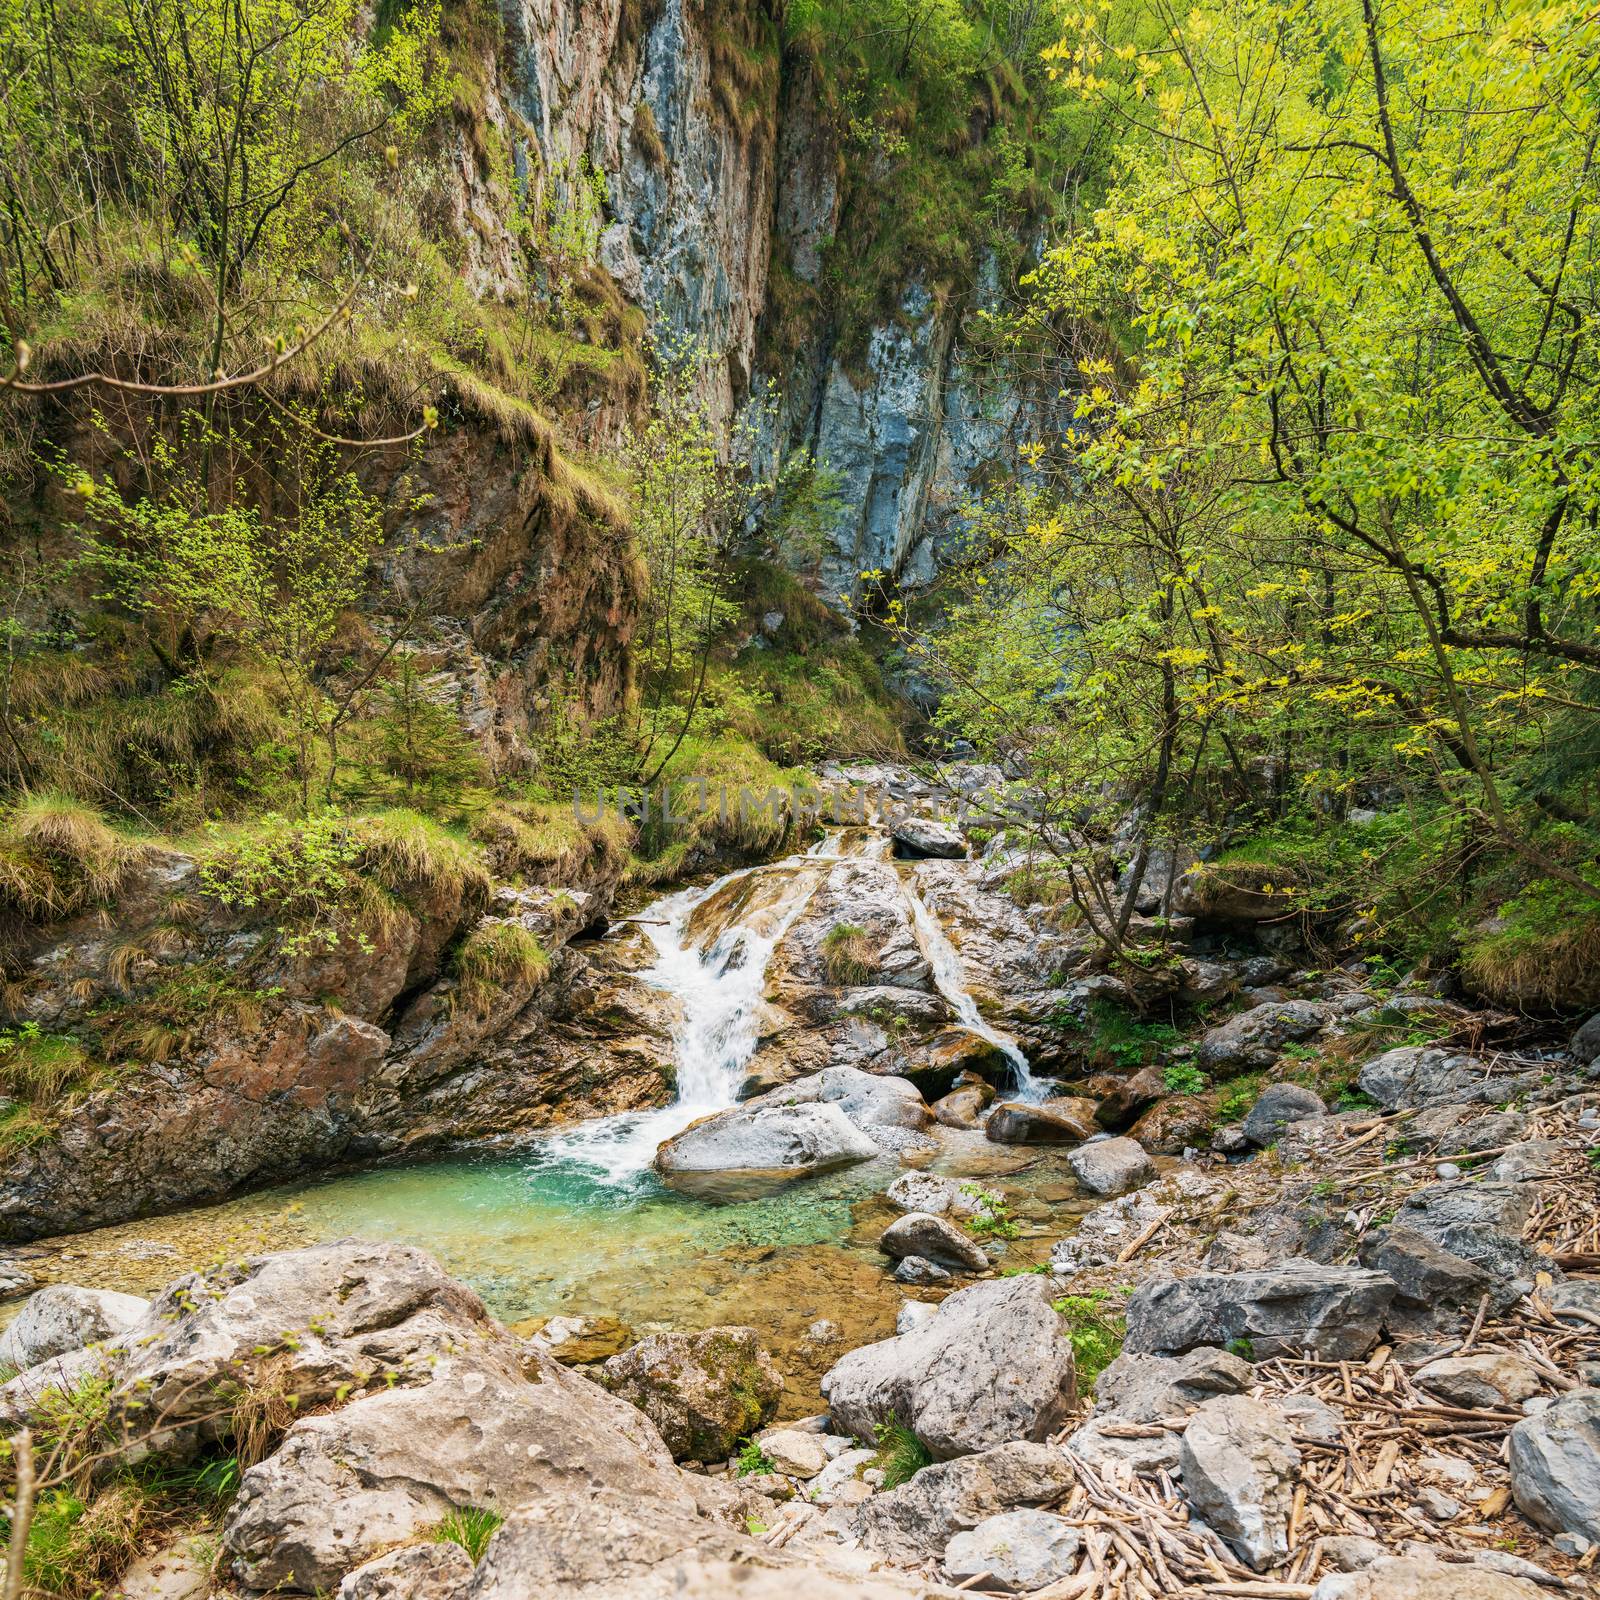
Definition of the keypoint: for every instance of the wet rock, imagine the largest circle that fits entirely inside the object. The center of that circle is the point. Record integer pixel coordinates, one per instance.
(779, 1140)
(1426, 1276)
(702, 1391)
(1111, 1166)
(925, 838)
(61, 1318)
(963, 1106)
(574, 1341)
(918, 1519)
(347, 1484)
(1335, 1312)
(1014, 1552)
(1238, 1462)
(932, 1239)
(994, 1364)
(798, 1455)
(1490, 1379)
(918, 1270)
(913, 1313)
(1416, 1578)
(1065, 1121)
(937, 1196)
(1255, 1038)
(1129, 1098)
(1278, 1105)
(414, 1572)
(1555, 1465)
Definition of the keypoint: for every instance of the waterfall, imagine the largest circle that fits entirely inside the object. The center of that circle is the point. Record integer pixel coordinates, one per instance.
(950, 979)
(720, 990)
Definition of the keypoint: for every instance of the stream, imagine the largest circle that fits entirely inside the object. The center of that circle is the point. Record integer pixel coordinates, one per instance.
(576, 1220)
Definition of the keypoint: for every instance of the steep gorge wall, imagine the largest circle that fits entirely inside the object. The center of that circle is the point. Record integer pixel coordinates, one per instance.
(724, 179)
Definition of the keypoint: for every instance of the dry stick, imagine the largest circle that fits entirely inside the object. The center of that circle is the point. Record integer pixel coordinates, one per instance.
(21, 1514)
(1477, 1325)
(1145, 1235)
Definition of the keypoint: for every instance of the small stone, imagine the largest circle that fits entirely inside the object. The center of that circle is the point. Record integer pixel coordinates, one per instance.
(1571, 1544)
(918, 1270)
(796, 1454)
(1487, 1380)
(914, 1312)
(1447, 1169)
(1438, 1505)
(1348, 1552)
(932, 1239)
(1014, 1552)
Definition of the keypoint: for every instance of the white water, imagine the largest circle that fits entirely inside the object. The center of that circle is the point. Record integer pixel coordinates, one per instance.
(720, 989)
(950, 979)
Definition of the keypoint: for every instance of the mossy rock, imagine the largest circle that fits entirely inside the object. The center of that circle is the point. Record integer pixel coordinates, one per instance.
(703, 1391)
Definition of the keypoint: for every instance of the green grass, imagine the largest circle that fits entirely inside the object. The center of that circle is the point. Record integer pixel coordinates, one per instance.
(471, 1527)
(901, 1454)
(59, 856)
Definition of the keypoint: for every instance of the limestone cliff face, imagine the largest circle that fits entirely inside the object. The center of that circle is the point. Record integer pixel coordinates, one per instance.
(723, 182)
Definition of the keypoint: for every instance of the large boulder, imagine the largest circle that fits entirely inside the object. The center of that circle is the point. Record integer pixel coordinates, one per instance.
(1419, 1578)
(932, 1239)
(1335, 1312)
(769, 1141)
(61, 1318)
(919, 1519)
(703, 1391)
(315, 1324)
(1128, 1098)
(1491, 1378)
(1429, 1280)
(1482, 1223)
(1014, 1552)
(1555, 1465)
(1254, 1039)
(1112, 1166)
(868, 1099)
(1276, 1107)
(1238, 1461)
(927, 838)
(1585, 1044)
(994, 1364)
(1415, 1076)
(1064, 1121)
(345, 1485)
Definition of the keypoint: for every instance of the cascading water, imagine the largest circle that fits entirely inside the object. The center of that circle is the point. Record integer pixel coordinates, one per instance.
(950, 979)
(720, 989)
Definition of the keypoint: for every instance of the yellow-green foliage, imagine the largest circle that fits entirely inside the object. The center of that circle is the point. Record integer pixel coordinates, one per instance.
(59, 856)
(497, 956)
(414, 857)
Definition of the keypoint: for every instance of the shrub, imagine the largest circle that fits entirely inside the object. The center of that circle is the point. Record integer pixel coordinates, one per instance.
(1096, 1336)
(993, 1219)
(1183, 1077)
(847, 955)
(752, 1459)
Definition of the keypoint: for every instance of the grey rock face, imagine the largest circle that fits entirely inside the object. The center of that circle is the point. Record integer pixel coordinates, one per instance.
(1255, 1038)
(345, 1485)
(1238, 1463)
(702, 1391)
(1333, 1311)
(1280, 1104)
(1585, 1044)
(1019, 1550)
(1555, 1465)
(1426, 1276)
(1490, 1379)
(1143, 1388)
(325, 1319)
(868, 1099)
(1112, 1166)
(779, 1139)
(415, 1572)
(927, 838)
(1413, 1076)
(1483, 1223)
(932, 1239)
(919, 1519)
(993, 1364)
(61, 1318)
